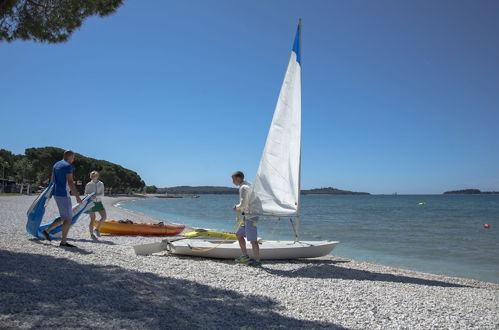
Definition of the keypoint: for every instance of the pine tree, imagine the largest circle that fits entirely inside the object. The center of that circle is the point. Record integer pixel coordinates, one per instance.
(51, 21)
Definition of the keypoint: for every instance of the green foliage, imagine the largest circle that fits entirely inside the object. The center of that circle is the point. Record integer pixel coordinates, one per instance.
(36, 167)
(50, 21)
(151, 189)
(24, 170)
(3, 165)
(9, 194)
(9, 159)
(42, 160)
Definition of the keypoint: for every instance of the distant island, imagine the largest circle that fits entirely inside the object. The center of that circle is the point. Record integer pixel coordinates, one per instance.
(469, 192)
(331, 191)
(198, 190)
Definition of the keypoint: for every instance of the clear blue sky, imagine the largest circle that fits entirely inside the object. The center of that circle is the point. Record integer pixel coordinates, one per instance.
(398, 96)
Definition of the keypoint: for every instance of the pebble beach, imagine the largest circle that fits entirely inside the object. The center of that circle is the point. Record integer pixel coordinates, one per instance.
(104, 285)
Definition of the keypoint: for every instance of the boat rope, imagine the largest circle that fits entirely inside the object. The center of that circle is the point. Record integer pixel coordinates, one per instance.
(294, 229)
(193, 248)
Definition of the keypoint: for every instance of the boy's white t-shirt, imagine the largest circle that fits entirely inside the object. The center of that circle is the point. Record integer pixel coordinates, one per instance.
(244, 191)
(95, 187)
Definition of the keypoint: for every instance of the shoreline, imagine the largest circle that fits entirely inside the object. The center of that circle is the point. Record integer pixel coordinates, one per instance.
(107, 286)
(152, 219)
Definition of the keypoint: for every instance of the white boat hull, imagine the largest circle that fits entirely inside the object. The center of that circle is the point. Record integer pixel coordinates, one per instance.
(268, 249)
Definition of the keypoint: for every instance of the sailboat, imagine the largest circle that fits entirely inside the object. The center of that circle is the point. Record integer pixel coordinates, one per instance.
(276, 191)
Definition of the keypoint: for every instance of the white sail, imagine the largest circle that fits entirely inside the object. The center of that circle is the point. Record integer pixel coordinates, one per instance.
(276, 190)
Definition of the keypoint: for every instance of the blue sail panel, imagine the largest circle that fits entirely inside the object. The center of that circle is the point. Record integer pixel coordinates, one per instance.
(296, 44)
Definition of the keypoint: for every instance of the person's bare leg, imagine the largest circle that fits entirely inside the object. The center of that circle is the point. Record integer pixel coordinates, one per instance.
(91, 224)
(103, 217)
(54, 224)
(242, 244)
(256, 250)
(65, 230)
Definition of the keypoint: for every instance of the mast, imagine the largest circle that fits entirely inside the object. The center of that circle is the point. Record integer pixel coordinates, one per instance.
(299, 166)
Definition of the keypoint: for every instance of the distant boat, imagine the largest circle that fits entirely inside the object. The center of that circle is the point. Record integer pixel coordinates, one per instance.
(276, 191)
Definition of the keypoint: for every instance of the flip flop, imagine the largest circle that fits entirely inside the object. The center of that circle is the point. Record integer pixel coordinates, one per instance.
(46, 235)
(67, 245)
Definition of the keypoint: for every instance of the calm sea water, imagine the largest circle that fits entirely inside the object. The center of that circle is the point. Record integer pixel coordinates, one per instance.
(444, 236)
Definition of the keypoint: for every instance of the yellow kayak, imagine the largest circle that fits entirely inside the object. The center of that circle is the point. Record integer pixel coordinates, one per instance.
(210, 233)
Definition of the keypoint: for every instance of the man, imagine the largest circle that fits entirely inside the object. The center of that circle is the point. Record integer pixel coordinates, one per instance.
(247, 224)
(62, 176)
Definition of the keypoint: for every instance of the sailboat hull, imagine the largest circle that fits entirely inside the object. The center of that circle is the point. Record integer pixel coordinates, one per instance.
(273, 250)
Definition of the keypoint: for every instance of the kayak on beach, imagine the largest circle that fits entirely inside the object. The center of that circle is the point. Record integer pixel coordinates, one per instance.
(121, 227)
(210, 233)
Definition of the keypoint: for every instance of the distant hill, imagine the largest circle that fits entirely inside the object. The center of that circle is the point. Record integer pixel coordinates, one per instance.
(35, 167)
(198, 190)
(331, 191)
(469, 192)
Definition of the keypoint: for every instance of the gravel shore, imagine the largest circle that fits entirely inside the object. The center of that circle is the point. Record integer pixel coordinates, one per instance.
(104, 285)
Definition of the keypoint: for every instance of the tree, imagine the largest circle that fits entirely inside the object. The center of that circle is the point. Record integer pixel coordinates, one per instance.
(110, 179)
(151, 189)
(9, 158)
(37, 163)
(51, 21)
(24, 170)
(43, 159)
(4, 165)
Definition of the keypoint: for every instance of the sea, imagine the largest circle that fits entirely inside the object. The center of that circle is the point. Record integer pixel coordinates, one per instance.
(439, 234)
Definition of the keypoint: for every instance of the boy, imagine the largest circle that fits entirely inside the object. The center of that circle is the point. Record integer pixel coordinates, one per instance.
(247, 226)
(97, 187)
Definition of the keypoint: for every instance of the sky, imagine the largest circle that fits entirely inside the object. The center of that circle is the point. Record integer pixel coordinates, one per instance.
(397, 96)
